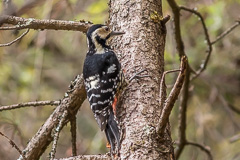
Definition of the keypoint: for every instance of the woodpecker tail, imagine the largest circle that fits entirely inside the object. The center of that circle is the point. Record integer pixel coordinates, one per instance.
(112, 132)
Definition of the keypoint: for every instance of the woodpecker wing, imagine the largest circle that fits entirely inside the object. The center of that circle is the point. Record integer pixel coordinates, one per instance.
(101, 75)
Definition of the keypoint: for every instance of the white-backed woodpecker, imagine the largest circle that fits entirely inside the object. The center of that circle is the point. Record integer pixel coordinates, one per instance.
(102, 77)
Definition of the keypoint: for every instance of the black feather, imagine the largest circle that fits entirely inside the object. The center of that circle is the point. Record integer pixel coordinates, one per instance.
(112, 132)
(101, 74)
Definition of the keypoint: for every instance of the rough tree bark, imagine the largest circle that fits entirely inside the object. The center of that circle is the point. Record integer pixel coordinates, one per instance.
(142, 47)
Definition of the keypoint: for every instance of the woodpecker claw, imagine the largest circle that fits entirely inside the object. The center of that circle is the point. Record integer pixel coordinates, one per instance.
(136, 75)
(108, 145)
(114, 105)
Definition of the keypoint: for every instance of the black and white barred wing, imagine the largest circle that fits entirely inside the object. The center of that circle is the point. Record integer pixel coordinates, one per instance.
(101, 90)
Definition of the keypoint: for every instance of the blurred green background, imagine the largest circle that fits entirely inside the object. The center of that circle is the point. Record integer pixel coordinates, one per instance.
(41, 65)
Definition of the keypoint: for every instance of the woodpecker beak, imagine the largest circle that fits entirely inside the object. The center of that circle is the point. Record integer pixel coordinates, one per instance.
(113, 33)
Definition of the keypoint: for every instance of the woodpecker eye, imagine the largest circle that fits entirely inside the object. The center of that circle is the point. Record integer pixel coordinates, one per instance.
(107, 29)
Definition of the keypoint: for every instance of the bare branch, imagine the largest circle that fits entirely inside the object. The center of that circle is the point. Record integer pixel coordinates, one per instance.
(72, 101)
(172, 97)
(163, 86)
(13, 144)
(56, 135)
(74, 135)
(209, 50)
(88, 157)
(229, 30)
(203, 24)
(29, 104)
(177, 31)
(32, 23)
(206, 149)
(209, 43)
(183, 116)
(10, 43)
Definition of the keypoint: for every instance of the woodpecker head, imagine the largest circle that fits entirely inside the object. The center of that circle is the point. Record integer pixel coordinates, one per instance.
(98, 37)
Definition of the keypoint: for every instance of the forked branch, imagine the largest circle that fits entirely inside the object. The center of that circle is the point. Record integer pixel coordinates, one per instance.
(13, 144)
(70, 104)
(170, 101)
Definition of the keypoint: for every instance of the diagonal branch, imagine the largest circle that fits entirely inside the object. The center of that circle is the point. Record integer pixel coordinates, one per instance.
(13, 144)
(229, 30)
(183, 116)
(170, 101)
(37, 24)
(206, 149)
(74, 134)
(71, 103)
(29, 104)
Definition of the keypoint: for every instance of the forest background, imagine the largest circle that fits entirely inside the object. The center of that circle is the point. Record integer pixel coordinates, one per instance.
(41, 65)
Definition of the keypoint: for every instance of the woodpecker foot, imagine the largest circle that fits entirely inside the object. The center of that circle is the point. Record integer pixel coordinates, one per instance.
(114, 105)
(113, 155)
(138, 76)
(108, 145)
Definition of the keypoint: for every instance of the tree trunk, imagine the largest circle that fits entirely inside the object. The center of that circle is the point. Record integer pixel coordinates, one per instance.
(141, 47)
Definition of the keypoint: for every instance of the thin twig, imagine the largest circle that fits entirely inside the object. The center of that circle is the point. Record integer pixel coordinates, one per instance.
(170, 101)
(206, 149)
(56, 135)
(74, 135)
(13, 144)
(209, 50)
(136, 75)
(10, 43)
(177, 31)
(229, 30)
(163, 87)
(202, 21)
(29, 104)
